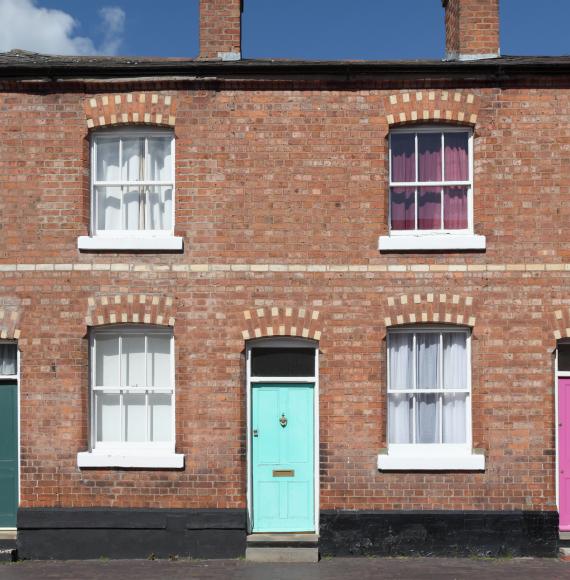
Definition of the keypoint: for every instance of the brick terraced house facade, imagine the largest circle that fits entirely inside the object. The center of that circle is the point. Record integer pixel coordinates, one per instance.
(242, 296)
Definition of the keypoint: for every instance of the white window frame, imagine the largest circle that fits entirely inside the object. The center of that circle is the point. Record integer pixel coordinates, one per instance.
(130, 239)
(431, 456)
(135, 454)
(440, 239)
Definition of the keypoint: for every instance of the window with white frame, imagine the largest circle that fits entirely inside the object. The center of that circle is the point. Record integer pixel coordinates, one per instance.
(132, 182)
(429, 387)
(431, 182)
(132, 388)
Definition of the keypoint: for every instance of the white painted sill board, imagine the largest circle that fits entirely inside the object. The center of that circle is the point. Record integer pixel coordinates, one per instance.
(150, 243)
(140, 461)
(474, 462)
(428, 242)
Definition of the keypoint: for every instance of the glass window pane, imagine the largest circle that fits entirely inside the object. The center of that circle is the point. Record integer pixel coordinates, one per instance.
(160, 417)
(107, 361)
(456, 156)
(107, 152)
(134, 418)
(133, 361)
(132, 209)
(429, 156)
(159, 159)
(455, 208)
(403, 208)
(108, 208)
(564, 357)
(403, 157)
(454, 418)
(133, 153)
(8, 358)
(429, 208)
(428, 360)
(455, 360)
(283, 362)
(108, 414)
(160, 208)
(401, 360)
(400, 418)
(427, 418)
(158, 362)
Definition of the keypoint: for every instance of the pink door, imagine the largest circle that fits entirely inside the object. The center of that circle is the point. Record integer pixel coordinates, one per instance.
(564, 452)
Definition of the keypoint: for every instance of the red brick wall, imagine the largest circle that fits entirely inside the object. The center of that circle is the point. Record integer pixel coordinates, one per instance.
(281, 197)
(472, 27)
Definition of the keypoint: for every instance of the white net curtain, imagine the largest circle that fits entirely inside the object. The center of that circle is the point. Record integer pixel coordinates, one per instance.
(428, 387)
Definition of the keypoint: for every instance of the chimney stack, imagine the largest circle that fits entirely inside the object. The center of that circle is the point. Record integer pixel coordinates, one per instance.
(220, 29)
(471, 29)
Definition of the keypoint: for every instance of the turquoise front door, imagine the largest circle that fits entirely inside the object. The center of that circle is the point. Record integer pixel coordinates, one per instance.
(8, 454)
(283, 457)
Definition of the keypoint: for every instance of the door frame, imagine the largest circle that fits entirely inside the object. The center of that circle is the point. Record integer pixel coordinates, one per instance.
(280, 342)
(16, 378)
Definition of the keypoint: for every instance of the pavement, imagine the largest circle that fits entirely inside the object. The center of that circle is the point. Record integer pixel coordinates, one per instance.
(329, 569)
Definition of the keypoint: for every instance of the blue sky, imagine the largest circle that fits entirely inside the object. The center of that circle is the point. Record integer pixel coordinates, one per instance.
(309, 29)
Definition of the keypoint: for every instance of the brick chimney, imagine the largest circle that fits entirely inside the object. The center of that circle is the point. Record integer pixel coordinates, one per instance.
(220, 29)
(471, 29)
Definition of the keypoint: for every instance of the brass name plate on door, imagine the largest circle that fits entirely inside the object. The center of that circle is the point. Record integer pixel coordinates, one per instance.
(283, 473)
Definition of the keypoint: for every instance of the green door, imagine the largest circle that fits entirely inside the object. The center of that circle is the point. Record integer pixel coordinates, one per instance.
(8, 454)
(283, 457)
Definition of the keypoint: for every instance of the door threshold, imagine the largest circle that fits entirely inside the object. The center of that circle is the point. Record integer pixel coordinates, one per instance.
(8, 533)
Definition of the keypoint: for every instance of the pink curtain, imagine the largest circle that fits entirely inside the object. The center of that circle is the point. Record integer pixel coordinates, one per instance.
(456, 157)
(402, 209)
(429, 208)
(429, 156)
(456, 169)
(403, 157)
(455, 208)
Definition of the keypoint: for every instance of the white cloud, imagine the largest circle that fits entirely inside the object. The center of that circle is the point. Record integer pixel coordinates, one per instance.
(25, 25)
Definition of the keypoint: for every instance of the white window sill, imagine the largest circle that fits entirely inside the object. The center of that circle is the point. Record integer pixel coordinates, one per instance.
(431, 462)
(131, 460)
(427, 242)
(122, 243)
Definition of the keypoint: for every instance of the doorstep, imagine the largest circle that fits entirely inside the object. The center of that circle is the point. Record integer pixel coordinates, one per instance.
(282, 548)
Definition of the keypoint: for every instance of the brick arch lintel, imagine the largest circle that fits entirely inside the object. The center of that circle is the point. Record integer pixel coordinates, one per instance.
(130, 308)
(438, 308)
(561, 323)
(432, 105)
(130, 109)
(282, 321)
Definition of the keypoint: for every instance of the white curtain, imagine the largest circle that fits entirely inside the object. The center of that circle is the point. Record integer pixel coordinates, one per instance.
(400, 418)
(428, 360)
(133, 372)
(160, 417)
(454, 427)
(8, 354)
(134, 418)
(427, 418)
(401, 362)
(455, 360)
(108, 417)
(158, 362)
(107, 361)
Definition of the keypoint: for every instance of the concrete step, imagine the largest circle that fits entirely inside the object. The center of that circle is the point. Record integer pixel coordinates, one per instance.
(282, 548)
(564, 554)
(8, 554)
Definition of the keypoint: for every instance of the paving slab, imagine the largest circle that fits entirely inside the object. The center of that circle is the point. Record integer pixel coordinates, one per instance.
(327, 569)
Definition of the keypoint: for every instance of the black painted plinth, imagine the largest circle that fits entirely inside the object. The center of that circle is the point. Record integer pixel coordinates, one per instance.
(430, 533)
(66, 534)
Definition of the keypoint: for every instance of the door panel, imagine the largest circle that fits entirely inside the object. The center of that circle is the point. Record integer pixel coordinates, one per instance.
(283, 457)
(564, 452)
(8, 454)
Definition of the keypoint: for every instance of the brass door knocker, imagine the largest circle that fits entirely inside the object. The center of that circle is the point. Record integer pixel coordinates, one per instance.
(283, 420)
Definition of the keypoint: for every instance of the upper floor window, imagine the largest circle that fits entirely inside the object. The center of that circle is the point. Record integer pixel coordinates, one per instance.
(133, 181)
(8, 359)
(431, 185)
(431, 189)
(132, 190)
